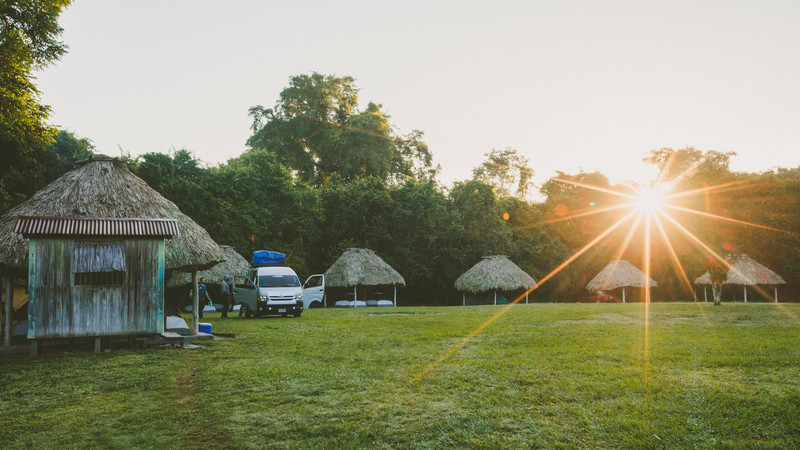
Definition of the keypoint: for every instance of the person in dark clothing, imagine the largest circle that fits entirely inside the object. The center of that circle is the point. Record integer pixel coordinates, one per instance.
(205, 299)
(227, 295)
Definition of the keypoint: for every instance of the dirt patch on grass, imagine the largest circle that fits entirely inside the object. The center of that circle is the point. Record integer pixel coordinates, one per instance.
(196, 427)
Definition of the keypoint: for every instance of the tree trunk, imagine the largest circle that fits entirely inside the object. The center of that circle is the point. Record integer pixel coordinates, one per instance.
(716, 290)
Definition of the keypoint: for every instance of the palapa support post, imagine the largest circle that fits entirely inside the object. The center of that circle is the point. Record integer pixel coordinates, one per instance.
(745, 294)
(355, 296)
(395, 296)
(705, 293)
(623, 294)
(526, 297)
(463, 299)
(195, 302)
(98, 344)
(776, 294)
(495, 297)
(8, 282)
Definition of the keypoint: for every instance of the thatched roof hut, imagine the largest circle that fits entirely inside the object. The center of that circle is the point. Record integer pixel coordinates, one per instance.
(494, 273)
(104, 187)
(620, 274)
(362, 267)
(235, 265)
(745, 271)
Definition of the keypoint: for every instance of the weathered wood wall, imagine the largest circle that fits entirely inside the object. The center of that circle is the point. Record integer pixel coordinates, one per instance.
(59, 308)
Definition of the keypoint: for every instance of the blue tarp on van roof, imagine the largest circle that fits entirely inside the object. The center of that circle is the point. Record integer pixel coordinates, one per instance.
(268, 258)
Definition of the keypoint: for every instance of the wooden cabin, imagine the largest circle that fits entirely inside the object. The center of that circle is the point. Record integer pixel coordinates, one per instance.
(94, 277)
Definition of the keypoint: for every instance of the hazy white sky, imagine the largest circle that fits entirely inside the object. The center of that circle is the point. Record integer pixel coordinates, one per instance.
(592, 85)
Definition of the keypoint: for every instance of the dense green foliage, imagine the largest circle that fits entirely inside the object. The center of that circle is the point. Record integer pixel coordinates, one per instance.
(322, 175)
(28, 41)
(317, 130)
(540, 376)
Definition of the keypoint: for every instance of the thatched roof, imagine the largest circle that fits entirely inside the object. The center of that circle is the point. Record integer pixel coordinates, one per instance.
(104, 187)
(494, 273)
(235, 265)
(361, 267)
(745, 271)
(619, 274)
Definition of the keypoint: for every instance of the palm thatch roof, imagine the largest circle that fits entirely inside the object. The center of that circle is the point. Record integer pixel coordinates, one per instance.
(104, 187)
(494, 273)
(744, 271)
(617, 274)
(235, 265)
(361, 267)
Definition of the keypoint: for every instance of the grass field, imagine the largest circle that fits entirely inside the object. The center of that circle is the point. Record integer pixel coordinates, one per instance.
(545, 375)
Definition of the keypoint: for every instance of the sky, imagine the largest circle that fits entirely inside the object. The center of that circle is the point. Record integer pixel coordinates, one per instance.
(571, 85)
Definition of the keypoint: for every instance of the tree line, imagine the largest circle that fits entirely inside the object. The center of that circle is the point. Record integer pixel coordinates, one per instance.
(322, 174)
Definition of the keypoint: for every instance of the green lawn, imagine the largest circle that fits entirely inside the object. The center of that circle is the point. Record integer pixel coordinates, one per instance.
(545, 375)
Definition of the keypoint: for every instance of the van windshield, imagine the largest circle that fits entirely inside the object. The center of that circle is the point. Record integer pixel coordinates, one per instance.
(278, 281)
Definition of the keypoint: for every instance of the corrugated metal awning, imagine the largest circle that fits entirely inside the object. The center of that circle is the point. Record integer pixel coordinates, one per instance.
(98, 257)
(95, 226)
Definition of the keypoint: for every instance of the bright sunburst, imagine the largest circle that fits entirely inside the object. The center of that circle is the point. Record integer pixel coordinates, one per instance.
(650, 199)
(644, 206)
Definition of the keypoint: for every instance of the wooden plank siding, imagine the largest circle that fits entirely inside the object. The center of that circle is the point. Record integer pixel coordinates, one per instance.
(60, 308)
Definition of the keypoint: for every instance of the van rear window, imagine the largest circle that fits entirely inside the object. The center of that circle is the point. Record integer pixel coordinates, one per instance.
(278, 281)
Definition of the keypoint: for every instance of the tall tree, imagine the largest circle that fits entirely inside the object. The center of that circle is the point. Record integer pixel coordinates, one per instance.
(67, 149)
(29, 34)
(507, 171)
(689, 167)
(316, 130)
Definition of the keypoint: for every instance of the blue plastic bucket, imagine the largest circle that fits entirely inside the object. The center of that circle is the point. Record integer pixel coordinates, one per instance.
(204, 327)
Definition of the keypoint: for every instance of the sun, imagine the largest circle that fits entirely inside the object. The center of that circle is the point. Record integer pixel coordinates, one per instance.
(649, 199)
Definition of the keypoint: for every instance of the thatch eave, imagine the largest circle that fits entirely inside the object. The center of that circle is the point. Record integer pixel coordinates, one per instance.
(619, 274)
(745, 271)
(494, 273)
(362, 267)
(235, 265)
(104, 187)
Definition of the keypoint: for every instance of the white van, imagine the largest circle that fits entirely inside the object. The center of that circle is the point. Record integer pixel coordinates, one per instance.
(268, 290)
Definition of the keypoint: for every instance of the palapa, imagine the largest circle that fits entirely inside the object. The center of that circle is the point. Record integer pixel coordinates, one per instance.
(745, 271)
(494, 273)
(235, 265)
(362, 267)
(620, 274)
(104, 187)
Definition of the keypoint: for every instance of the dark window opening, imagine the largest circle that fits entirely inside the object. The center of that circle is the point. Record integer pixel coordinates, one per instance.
(114, 278)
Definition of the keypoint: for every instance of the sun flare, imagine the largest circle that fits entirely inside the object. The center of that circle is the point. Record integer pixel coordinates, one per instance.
(650, 199)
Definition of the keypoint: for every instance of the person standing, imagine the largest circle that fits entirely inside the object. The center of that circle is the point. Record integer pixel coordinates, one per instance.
(205, 299)
(227, 295)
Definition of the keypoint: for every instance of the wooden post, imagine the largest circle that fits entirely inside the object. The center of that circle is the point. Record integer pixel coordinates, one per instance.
(495, 297)
(463, 299)
(98, 344)
(395, 296)
(776, 294)
(9, 282)
(195, 303)
(623, 294)
(705, 293)
(355, 296)
(745, 293)
(526, 297)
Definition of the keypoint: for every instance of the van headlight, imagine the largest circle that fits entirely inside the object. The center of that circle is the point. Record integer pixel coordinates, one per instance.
(298, 297)
(264, 298)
